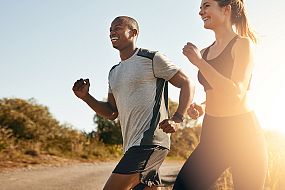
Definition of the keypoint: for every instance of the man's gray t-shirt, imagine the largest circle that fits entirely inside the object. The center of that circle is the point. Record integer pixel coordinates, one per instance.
(139, 86)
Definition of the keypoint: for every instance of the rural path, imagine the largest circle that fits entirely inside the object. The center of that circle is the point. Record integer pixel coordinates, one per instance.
(83, 176)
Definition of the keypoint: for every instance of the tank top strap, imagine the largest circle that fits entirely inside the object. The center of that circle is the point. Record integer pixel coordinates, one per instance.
(205, 53)
(232, 42)
(227, 48)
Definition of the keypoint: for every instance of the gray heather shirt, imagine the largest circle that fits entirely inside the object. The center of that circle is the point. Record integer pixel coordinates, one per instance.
(139, 86)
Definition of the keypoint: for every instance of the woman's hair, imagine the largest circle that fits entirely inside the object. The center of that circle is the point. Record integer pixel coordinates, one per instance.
(239, 17)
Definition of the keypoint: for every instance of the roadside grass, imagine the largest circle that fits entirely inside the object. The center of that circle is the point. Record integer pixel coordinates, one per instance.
(29, 135)
(14, 153)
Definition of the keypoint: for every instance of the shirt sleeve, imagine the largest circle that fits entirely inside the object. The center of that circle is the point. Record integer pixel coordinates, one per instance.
(163, 67)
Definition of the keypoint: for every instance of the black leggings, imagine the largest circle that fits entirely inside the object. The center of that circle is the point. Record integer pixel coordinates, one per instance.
(234, 142)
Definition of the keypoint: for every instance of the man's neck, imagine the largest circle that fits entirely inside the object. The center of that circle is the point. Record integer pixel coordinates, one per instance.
(127, 53)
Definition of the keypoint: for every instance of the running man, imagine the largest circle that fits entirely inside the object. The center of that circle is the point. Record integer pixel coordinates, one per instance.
(138, 97)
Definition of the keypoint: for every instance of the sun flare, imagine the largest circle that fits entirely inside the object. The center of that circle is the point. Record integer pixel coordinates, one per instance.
(268, 103)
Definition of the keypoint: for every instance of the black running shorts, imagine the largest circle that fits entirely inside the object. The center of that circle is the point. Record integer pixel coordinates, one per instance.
(144, 160)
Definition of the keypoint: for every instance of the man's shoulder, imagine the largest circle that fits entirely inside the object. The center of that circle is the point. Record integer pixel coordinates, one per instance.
(114, 67)
(146, 53)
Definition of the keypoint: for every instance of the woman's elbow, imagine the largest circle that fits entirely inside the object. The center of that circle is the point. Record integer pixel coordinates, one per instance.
(233, 90)
(239, 93)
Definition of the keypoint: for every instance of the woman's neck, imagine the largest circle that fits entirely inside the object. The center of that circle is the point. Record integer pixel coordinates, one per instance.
(223, 36)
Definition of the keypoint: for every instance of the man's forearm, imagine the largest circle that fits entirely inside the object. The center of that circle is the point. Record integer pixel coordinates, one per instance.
(103, 109)
(186, 96)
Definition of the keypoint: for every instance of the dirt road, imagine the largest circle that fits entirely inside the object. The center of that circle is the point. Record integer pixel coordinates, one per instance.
(84, 176)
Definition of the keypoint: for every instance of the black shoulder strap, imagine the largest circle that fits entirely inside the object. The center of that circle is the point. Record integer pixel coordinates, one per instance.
(146, 53)
(113, 67)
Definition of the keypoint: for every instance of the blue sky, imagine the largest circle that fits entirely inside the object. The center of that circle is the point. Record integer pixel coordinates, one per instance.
(46, 45)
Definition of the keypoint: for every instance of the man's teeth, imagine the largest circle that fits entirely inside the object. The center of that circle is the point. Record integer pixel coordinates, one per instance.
(114, 38)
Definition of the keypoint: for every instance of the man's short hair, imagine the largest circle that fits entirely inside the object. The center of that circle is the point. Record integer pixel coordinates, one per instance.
(131, 22)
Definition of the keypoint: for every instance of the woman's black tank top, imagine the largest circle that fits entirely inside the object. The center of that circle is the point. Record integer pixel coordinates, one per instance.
(223, 63)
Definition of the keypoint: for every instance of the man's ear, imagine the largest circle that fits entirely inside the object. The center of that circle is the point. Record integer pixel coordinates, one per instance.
(134, 32)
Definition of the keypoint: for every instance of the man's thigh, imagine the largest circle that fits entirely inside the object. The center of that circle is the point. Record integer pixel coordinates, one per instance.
(139, 164)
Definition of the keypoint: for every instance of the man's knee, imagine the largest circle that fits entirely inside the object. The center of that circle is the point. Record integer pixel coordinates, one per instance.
(122, 181)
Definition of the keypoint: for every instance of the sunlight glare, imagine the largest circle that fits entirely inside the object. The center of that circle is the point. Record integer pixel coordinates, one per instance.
(269, 106)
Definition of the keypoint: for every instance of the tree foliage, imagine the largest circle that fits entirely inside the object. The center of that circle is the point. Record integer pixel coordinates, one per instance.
(184, 141)
(109, 132)
(172, 107)
(26, 118)
(31, 122)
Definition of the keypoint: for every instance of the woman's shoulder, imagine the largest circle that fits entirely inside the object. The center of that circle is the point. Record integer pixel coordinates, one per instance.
(243, 41)
(242, 44)
(243, 48)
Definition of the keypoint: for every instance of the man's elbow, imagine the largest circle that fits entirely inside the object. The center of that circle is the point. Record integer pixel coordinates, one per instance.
(188, 88)
(113, 116)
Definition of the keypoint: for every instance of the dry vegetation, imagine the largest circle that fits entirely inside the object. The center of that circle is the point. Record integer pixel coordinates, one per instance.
(30, 135)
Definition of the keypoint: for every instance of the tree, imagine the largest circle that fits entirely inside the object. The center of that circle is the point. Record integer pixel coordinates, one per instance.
(30, 123)
(109, 132)
(172, 106)
(26, 118)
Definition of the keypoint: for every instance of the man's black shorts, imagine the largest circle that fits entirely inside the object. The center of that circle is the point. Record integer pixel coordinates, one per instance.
(144, 160)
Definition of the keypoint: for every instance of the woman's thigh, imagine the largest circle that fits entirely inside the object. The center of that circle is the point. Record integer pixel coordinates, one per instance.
(201, 169)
